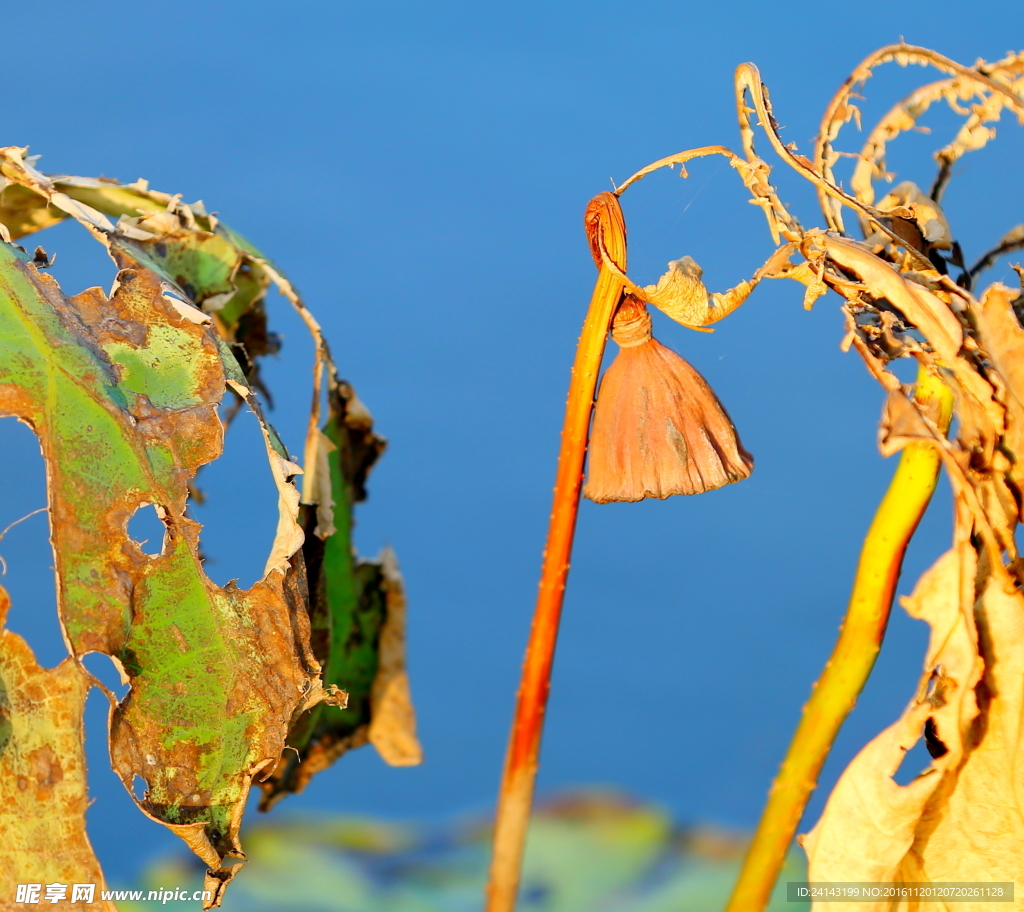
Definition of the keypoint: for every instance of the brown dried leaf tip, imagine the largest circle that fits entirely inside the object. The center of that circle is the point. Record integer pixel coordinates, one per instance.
(659, 429)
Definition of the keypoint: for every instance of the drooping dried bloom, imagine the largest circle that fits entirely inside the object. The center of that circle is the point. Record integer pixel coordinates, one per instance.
(658, 427)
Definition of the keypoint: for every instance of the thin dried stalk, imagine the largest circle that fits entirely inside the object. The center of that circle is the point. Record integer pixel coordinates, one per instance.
(973, 136)
(904, 116)
(749, 79)
(840, 111)
(680, 158)
(1013, 240)
(753, 172)
(854, 655)
(765, 195)
(607, 233)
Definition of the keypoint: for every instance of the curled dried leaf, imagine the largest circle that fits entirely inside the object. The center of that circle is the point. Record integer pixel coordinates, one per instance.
(393, 721)
(966, 81)
(682, 295)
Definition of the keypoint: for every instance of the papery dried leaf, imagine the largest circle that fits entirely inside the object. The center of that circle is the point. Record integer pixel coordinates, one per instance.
(811, 277)
(1003, 340)
(317, 485)
(658, 427)
(905, 422)
(921, 307)
(870, 164)
(756, 177)
(983, 79)
(392, 719)
(358, 627)
(902, 423)
(973, 135)
(22, 211)
(973, 829)
(43, 796)
(870, 828)
(211, 265)
(905, 115)
(978, 401)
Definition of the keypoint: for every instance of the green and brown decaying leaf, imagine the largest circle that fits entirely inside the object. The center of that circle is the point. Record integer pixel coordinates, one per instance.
(125, 395)
(357, 611)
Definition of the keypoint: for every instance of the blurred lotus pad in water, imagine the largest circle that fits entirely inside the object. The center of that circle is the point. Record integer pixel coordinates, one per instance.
(588, 851)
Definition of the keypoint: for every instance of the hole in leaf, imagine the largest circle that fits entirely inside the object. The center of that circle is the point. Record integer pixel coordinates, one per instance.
(904, 368)
(105, 670)
(27, 569)
(146, 530)
(139, 786)
(1017, 567)
(915, 761)
(77, 261)
(932, 741)
(238, 510)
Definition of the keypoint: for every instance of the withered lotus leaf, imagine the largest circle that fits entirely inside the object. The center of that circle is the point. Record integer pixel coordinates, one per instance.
(124, 393)
(659, 428)
(357, 613)
(960, 819)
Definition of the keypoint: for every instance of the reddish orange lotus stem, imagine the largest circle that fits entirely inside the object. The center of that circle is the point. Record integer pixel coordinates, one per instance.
(606, 231)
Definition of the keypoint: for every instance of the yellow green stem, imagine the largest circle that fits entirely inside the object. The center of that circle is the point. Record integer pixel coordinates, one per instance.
(854, 655)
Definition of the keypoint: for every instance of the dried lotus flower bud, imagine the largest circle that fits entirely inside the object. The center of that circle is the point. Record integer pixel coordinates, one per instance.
(658, 427)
